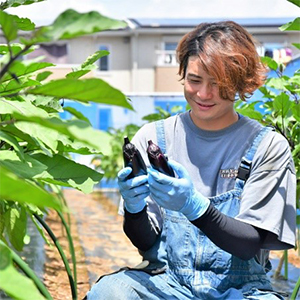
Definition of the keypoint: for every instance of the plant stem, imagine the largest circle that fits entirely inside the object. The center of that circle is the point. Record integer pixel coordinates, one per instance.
(279, 267)
(6, 67)
(62, 254)
(286, 261)
(296, 290)
(30, 274)
(71, 246)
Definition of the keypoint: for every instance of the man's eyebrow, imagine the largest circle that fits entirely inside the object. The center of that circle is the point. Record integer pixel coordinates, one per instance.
(193, 75)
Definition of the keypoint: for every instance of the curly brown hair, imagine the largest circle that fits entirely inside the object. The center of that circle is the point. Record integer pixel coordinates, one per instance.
(226, 52)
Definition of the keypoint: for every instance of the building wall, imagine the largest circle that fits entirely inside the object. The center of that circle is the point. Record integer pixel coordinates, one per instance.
(167, 79)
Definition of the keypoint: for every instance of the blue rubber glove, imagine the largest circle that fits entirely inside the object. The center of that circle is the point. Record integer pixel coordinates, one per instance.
(177, 194)
(134, 190)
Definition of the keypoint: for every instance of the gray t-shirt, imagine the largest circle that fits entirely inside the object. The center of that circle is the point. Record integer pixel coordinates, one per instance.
(212, 159)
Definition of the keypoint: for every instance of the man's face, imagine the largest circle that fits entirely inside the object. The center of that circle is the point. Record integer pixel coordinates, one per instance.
(208, 110)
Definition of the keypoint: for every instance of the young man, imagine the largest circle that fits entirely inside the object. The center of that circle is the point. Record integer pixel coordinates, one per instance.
(206, 233)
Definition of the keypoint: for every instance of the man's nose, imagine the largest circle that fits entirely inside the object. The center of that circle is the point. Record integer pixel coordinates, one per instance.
(205, 91)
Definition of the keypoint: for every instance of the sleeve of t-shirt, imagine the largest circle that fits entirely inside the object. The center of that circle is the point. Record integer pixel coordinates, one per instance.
(268, 199)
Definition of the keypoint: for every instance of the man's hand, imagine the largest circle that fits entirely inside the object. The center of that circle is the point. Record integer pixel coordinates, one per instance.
(177, 194)
(134, 191)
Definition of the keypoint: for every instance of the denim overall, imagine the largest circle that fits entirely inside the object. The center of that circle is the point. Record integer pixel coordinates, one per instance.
(185, 264)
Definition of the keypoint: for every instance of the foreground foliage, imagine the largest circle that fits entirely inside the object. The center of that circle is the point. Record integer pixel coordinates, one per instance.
(36, 145)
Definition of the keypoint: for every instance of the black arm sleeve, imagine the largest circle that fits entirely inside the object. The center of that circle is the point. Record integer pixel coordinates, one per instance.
(236, 237)
(139, 229)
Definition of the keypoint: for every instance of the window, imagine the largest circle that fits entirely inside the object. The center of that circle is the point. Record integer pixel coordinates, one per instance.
(105, 118)
(53, 53)
(170, 46)
(103, 61)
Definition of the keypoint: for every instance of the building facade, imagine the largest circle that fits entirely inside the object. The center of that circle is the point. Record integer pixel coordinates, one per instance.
(142, 56)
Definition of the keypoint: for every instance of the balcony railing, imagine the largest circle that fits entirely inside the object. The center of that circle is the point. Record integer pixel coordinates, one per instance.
(165, 58)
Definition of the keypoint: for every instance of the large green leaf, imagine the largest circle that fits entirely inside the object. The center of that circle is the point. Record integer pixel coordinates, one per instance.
(14, 3)
(271, 63)
(282, 104)
(47, 136)
(29, 169)
(16, 224)
(20, 107)
(291, 26)
(8, 26)
(66, 172)
(11, 140)
(24, 23)
(75, 129)
(71, 24)
(21, 68)
(296, 111)
(297, 45)
(94, 57)
(76, 113)
(13, 86)
(13, 188)
(296, 2)
(92, 89)
(13, 282)
(14, 48)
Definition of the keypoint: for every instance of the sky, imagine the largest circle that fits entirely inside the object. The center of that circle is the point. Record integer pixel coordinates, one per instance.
(44, 13)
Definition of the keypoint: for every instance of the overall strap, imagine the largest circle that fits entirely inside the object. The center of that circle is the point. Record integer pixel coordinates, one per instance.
(160, 133)
(245, 166)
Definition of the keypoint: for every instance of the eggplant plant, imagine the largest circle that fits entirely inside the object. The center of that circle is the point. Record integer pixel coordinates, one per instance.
(281, 109)
(36, 144)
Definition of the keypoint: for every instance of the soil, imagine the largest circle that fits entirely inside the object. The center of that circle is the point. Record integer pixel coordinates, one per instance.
(100, 244)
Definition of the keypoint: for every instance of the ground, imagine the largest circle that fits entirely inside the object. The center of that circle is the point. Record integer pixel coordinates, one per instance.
(100, 244)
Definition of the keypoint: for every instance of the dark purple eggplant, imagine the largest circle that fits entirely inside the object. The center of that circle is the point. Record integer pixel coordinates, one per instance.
(132, 158)
(157, 159)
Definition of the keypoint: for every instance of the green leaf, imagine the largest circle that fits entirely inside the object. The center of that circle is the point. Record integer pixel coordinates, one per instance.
(20, 68)
(43, 75)
(296, 111)
(297, 45)
(16, 224)
(15, 3)
(296, 2)
(76, 129)
(282, 104)
(94, 57)
(49, 104)
(291, 26)
(77, 74)
(63, 171)
(47, 136)
(24, 23)
(20, 107)
(271, 63)
(76, 113)
(11, 140)
(12, 282)
(71, 24)
(29, 169)
(277, 83)
(15, 49)
(92, 89)
(15, 86)
(16, 189)
(8, 26)
(250, 112)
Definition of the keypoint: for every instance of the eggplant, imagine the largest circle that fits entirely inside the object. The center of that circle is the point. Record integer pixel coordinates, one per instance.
(158, 160)
(132, 158)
